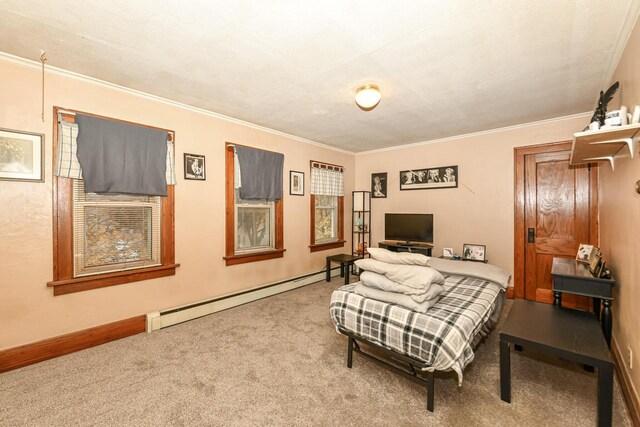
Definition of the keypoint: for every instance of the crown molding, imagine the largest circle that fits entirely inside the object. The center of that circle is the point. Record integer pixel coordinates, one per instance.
(479, 133)
(87, 79)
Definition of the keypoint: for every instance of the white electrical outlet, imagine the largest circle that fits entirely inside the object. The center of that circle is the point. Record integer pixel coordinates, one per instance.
(630, 357)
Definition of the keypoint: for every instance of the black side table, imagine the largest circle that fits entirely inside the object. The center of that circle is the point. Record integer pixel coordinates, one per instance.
(563, 332)
(573, 277)
(345, 261)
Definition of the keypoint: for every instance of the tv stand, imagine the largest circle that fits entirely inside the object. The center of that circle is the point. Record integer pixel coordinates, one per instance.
(413, 247)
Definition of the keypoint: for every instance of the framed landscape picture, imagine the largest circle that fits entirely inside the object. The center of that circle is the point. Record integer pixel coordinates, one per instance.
(194, 167)
(21, 156)
(379, 185)
(429, 178)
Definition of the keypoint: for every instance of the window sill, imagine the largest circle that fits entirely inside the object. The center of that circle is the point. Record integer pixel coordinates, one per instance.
(79, 284)
(260, 256)
(325, 246)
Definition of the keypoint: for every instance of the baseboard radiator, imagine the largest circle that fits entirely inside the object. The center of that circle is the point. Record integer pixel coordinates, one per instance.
(157, 320)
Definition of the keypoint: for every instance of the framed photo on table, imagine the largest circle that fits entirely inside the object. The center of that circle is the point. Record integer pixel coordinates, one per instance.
(585, 253)
(296, 183)
(21, 156)
(472, 252)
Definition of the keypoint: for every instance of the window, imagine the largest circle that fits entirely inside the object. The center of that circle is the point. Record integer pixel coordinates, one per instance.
(114, 232)
(253, 227)
(105, 240)
(327, 206)
(326, 221)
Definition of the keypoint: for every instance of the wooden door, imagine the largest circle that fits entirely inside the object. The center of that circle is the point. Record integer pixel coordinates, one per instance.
(557, 214)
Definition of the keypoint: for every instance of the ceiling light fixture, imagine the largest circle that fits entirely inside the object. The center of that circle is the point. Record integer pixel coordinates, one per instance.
(368, 97)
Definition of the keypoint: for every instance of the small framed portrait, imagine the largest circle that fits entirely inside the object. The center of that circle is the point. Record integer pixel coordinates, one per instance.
(194, 167)
(472, 252)
(296, 183)
(21, 156)
(585, 253)
(447, 252)
(379, 185)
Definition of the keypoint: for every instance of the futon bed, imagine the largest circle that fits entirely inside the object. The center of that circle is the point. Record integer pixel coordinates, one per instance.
(441, 339)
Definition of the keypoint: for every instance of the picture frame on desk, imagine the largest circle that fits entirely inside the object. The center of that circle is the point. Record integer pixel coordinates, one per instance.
(585, 253)
(595, 259)
(473, 252)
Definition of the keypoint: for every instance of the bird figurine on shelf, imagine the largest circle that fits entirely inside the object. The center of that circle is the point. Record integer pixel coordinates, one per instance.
(605, 98)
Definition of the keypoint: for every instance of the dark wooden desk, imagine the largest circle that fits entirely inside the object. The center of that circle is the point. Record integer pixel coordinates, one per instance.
(345, 261)
(573, 277)
(563, 332)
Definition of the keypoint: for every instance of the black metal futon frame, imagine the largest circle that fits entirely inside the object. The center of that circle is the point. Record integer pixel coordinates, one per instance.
(410, 373)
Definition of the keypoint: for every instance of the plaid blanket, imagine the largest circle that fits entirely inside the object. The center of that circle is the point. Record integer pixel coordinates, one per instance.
(442, 338)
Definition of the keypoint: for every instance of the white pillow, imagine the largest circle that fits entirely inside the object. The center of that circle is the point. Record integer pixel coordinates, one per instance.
(382, 282)
(405, 258)
(414, 276)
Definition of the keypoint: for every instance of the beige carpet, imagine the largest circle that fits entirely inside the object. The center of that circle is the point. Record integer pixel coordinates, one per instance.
(279, 361)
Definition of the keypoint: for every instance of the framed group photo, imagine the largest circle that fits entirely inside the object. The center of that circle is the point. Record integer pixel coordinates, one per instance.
(194, 167)
(429, 178)
(296, 183)
(379, 185)
(21, 156)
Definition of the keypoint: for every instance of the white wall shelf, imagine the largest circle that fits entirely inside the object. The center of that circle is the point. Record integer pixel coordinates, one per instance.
(603, 144)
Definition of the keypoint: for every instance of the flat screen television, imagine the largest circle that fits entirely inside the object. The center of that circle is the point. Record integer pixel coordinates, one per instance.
(408, 227)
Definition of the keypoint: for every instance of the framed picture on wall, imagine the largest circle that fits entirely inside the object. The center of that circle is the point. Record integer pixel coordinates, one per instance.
(21, 156)
(194, 167)
(296, 183)
(379, 185)
(429, 178)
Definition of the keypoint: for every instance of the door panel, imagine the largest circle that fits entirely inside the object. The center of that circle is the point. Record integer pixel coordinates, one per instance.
(557, 209)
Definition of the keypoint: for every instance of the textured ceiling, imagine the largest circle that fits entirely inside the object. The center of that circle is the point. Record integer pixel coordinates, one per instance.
(444, 67)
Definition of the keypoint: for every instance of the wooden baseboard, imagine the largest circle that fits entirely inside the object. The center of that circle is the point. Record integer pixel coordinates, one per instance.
(628, 391)
(28, 354)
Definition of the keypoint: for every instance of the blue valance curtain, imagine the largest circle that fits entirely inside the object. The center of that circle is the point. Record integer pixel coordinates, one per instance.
(121, 158)
(260, 175)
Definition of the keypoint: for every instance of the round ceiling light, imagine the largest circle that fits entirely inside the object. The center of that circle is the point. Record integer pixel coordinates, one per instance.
(368, 97)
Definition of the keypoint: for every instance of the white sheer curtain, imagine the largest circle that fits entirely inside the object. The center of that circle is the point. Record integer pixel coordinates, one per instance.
(326, 182)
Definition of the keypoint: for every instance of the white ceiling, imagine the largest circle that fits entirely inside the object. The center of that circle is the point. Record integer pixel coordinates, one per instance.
(445, 67)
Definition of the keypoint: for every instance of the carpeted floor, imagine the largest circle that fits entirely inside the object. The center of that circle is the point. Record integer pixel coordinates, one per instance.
(279, 361)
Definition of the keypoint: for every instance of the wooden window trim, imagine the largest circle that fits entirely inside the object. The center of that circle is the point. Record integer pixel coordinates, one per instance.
(230, 256)
(63, 281)
(317, 247)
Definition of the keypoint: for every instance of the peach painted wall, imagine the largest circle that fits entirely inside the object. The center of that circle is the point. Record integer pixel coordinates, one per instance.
(481, 209)
(620, 219)
(28, 310)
